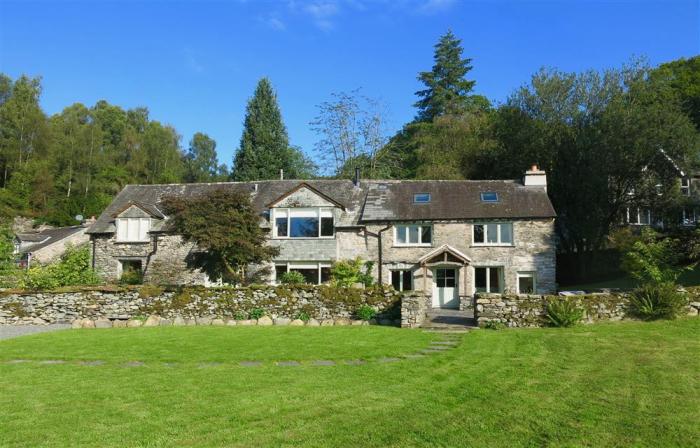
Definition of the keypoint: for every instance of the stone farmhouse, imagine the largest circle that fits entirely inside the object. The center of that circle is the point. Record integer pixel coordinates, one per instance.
(448, 239)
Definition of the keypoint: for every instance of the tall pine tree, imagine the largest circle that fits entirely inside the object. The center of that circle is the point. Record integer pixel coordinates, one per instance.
(447, 90)
(264, 148)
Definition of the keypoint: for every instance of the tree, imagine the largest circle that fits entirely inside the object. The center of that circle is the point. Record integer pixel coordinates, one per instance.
(447, 90)
(224, 225)
(682, 77)
(599, 136)
(352, 131)
(202, 165)
(264, 149)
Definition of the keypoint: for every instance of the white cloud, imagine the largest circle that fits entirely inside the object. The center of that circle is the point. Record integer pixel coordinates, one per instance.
(435, 6)
(275, 23)
(321, 12)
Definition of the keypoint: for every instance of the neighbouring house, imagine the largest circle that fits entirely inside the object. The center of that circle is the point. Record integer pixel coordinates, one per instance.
(449, 239)
(47, 245)
(641, 212)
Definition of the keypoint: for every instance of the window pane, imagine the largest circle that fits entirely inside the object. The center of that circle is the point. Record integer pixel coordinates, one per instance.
(644, 216)
(325, 274)
(401, 234)
(144, 227)
(396, 280)
(132, 229)
(280, 270)
(326, 226)
(526, 284)
(413, 234)
(303, 228)
(121, 230)
(450, 278)
(310, 275)
(478, 233)
(480, 279)
(281, 224)
(407, 280)
(489, 197)
(492, 233)
(440, 278)
(495, 280)
(426, 234)
(506, 233)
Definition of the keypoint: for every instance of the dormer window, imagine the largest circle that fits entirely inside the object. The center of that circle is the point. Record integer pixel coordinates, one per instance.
(303, 222)
(489, 196)
(133, 230)
(421, 198)
(685, 186)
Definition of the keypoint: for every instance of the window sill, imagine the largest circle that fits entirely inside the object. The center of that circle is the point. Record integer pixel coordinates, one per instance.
(288, 238)
(412, 245)
(492, 245)
(133, 242)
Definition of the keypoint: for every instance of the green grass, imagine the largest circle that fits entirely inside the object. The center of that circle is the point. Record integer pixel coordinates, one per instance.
(624, 384)
(216, 344)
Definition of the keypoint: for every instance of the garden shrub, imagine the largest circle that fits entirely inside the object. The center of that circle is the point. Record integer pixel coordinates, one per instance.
(256, 313)
(562, 312)
(147, 291)
(659, 301)
(348, 272)
(131, 276)
(293, 278)
(303, 316)
(240, 315)
(73, 269)
(495, 325)
(366, 312)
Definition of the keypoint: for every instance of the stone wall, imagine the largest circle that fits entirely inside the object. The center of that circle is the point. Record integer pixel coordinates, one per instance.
(414, 306)
(318, 302)
(529, 310)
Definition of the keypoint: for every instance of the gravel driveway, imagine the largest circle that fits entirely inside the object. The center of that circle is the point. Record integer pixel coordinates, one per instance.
(13, 331)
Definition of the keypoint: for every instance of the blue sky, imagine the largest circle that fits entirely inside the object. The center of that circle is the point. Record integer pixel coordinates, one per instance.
(194, 64)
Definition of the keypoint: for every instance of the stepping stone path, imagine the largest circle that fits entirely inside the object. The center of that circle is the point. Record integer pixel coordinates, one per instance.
(324, 363)
(448, 342)
(288, 363)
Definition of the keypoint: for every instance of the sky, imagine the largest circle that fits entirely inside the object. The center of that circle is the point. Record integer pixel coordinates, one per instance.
(194, 64)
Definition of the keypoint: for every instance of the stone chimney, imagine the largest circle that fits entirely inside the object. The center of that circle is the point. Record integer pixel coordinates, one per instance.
(535, 177)
(356, 179)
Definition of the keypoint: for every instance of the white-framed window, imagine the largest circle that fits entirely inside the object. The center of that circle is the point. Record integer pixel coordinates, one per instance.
(413, 235)
(314, 272)
(303, 222)
(133, 229)
(402, 280)
(488, 279)
(639, 216)
(690, 216)
(527, 282)
(493, 234)
(685, 186)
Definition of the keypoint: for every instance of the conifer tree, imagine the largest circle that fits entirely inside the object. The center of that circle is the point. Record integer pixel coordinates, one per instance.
(447, 90)
(264, 147)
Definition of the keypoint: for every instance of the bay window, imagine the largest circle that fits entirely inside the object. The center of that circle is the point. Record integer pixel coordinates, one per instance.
(303, 222)
(493, 234)
(413, 235)
(133, 229)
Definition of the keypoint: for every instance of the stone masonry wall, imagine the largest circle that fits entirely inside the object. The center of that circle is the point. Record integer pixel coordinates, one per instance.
(413, 309)
(318, 302)
(529, 310)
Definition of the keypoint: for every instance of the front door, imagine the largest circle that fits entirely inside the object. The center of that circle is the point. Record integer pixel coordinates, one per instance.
(445, 288)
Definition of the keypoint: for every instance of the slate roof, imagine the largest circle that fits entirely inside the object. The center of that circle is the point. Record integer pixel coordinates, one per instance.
(46, 237)
(372, 201)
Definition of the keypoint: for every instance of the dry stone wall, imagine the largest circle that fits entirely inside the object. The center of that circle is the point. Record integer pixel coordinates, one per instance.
(529, 310)
(117, 306)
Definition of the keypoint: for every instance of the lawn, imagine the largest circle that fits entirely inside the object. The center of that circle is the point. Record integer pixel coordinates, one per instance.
(624, 384)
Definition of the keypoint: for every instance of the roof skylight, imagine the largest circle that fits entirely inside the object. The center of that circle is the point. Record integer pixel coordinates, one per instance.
(421, 198)
(489, 196)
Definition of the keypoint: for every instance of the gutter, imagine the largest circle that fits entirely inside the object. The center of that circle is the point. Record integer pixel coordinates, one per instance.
(378, 235)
